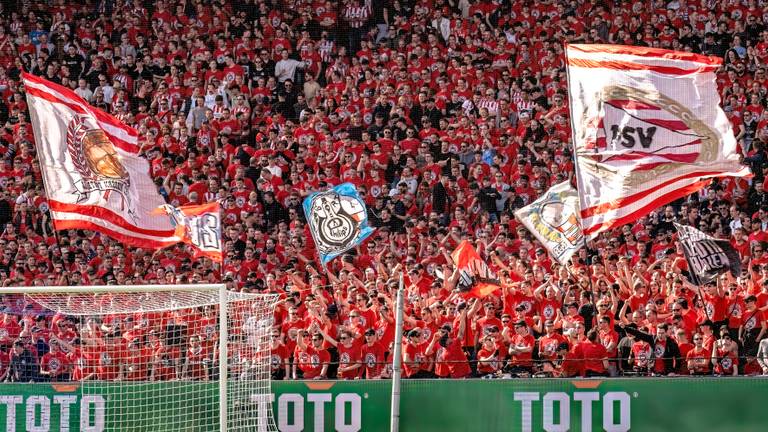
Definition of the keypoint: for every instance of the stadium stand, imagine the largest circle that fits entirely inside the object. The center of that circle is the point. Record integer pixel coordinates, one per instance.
(447, 115)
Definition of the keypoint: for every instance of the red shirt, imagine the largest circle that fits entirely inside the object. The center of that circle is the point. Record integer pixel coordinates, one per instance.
(311, 361)
(349, 356)
(701, 359)
(109, 361)
(548, 345)
(373, 359)
(454, 359)
(418, 359)
(55, 363)
(523, 359)
(197, 361)
(593, 354)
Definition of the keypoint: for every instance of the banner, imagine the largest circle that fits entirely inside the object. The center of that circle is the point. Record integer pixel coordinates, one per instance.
(337, 219)
(707, 256)
(520, 405)
(93, 175)
(197, 225)
(475, 278)
(553, 220)
(647, 129)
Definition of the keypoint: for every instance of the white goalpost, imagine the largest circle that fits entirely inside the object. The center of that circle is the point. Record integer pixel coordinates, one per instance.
(150, 357)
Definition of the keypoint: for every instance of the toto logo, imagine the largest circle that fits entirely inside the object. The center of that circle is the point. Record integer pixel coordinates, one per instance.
(335, 220)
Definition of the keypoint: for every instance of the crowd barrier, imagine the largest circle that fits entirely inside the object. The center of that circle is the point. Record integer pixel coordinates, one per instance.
(641, 404)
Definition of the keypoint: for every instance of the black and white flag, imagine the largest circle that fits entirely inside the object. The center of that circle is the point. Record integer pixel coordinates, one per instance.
(707, 256)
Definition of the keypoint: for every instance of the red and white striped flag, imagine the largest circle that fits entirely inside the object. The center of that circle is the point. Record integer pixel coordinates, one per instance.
(647, 129)
(94, 177)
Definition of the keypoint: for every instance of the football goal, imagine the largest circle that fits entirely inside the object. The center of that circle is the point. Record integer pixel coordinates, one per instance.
(144, 358)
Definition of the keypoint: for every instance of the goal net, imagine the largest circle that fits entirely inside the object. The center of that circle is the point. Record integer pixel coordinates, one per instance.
(148, 358)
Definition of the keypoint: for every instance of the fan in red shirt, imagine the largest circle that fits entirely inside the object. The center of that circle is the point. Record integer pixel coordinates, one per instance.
(373, 356)
(550, 341)
(490, 356)
(594, 355)
(349, 353)
(137, 362)
(725, 355)
(54, 365)
(166, 359)
(198, 359)
(699, 358)
(521, 349)
(415, 362)
(111, 359)
(279, 356)
(312, 359)
(450, 359)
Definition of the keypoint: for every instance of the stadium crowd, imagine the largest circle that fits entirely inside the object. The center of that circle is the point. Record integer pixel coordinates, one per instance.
(447, 115)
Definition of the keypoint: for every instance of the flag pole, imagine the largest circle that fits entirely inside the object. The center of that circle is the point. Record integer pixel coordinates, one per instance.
(394, 425)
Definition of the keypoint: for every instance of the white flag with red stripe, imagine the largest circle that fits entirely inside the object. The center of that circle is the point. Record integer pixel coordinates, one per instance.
(94, 178)
(647, 129)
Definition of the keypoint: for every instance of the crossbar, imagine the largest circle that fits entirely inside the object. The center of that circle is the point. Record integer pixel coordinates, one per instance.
(107, 289)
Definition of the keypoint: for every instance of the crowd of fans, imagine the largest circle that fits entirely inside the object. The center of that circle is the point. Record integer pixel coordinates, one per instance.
(447, 115)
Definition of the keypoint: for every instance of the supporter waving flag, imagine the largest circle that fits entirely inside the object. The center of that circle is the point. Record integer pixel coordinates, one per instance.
(647, 130)
(197, 225)
(475, 278)
(553, 220)
(94, 177)
(337, 219)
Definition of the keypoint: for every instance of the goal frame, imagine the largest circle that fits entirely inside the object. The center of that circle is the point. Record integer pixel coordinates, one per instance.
(223, 317)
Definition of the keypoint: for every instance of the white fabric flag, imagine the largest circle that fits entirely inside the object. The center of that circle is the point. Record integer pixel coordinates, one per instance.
(553, 220)
(647, 129)
(94, 178)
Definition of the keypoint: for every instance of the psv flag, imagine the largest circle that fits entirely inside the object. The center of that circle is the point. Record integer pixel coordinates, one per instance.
(475, 278)
(707, 256)
(93, 175)
(198, 226)
(553, 219)
(647, 129)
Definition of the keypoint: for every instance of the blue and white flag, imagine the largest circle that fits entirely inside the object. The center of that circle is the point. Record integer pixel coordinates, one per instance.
(337, 220)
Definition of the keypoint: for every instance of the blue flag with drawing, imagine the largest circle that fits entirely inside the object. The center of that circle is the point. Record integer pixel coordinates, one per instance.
(337, 219)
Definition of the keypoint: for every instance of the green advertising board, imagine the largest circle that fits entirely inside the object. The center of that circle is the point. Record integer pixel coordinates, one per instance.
(671, 404)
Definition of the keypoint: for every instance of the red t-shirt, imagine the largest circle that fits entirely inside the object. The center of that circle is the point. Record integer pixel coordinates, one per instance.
(373, 359)
(454, 359)
(349, 356)
(701, 359)
(523, 359)
(593, 354)
(55, 363)
(311, 361)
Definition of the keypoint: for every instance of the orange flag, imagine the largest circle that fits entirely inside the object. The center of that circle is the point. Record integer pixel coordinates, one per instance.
(475, 278)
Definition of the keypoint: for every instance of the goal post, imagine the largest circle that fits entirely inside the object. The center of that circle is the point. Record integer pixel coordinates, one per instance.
(149, 357)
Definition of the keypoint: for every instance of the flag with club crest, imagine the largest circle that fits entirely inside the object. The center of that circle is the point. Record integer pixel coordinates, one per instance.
(553, 220)
(93, 175)
(647, 130)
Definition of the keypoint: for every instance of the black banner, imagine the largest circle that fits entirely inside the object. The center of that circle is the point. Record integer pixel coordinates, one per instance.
(707, 256)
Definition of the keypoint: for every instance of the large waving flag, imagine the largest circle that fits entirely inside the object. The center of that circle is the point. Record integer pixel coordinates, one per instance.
(197, 225)
(553, 220)
(647, 130)
(94, 178)
(337, 219)
(475, 278)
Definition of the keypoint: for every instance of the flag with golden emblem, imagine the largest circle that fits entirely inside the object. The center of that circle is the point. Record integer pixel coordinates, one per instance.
(647, 130)
(93, 175)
